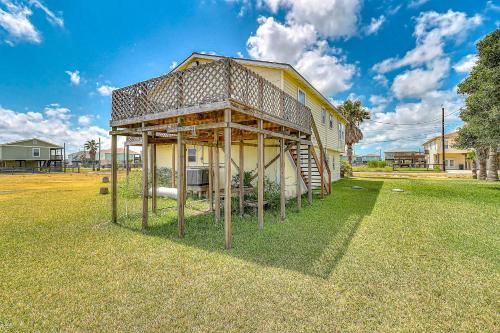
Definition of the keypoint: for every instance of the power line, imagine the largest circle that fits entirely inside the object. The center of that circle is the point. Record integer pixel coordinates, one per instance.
(420, 136)
(411, 124)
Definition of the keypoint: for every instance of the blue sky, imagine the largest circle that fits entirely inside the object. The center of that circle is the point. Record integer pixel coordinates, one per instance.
(59, 60)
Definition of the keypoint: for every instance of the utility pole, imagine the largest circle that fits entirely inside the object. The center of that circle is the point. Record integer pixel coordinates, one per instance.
(442, 139)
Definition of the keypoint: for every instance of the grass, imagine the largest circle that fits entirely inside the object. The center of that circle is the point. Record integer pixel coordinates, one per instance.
(366, 168)
(427, 259)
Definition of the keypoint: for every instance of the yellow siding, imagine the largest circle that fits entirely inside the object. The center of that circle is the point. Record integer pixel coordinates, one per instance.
(329, 136)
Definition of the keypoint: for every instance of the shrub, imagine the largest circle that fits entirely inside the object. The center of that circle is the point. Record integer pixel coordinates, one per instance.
(437, 168)
(247, 179)
(345, 169)
(376, 164)
(164, 177)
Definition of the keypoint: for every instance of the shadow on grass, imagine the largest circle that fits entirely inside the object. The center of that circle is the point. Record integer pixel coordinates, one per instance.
(312, 241)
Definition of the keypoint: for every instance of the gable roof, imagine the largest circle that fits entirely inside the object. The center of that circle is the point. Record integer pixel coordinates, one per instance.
(446, 136)
(262, 63)
(25, 140)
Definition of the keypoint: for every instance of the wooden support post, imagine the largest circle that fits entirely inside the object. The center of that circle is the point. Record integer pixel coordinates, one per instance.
(309, 175)
(227, 185)
(210, 178)
(144, 180)
(174, 176)
(242, 178)
(114, 178)
(180, 184)
(299, 176)
(216, 177)
(282, 180)
(127, 162)
(154, 179)
(260, 175)
(321, 171)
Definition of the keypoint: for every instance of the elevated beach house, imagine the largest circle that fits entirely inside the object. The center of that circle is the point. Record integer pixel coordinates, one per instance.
(30, 154)
(455, 158)
(231, 115)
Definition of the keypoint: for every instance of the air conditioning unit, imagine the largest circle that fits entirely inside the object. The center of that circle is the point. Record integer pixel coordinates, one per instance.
(197, 177)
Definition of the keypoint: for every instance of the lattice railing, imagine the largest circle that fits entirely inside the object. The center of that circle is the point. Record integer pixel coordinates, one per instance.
(216, 81)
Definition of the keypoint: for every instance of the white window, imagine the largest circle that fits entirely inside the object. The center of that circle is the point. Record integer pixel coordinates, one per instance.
(450, 163)
(191, 155)
(301, 96)
(446, 144)
(36, 152)
(323, 116)
(331, 121)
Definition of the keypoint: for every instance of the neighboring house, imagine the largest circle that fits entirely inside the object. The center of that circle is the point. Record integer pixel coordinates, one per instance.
(455, 159)
(134, 157)
(77, 158)
(30, 153)
(329, 122)
(364, 159)
(401, 157)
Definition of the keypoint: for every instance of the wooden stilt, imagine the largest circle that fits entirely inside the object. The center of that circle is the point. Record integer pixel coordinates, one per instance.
(216, 178)
(210, 178)
(127, 161)
(321, 171)
(242, 178)
(299, 177)
(309, 174)
(154, 179)
(282, 180)
(114, 178)
(260, 175)
(144, 180)
(227, 185)
(180, 184)
(174, 176)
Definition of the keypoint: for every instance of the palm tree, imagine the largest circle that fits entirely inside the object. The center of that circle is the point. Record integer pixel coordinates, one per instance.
(92, 146)
(471, 156)
(354, 112)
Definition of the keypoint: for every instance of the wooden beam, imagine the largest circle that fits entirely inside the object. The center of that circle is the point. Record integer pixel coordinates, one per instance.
(211, 178)
(274, 159)
(127, 162)
(216, 177)
(172, 113)
(309, 175)
(227, 185)
(260, 175)
(114, 179)
(154, 179)
(268, 133)
(282, 180)
(242, 177)
(299, 176)
(174, 176)
(321, 171)
(144, 180)
(180, 185)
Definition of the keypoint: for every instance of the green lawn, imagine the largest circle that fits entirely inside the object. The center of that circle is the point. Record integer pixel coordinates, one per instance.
(427, 259)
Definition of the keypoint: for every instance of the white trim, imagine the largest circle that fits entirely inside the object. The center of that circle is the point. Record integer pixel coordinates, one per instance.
(33, 152)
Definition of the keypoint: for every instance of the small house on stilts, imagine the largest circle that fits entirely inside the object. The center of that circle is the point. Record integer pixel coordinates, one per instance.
(253, 113)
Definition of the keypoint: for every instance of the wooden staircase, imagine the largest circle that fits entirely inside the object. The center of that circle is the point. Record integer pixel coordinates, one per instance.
(320, 171)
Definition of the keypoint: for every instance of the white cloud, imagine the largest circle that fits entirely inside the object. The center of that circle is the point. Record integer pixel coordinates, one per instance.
(431, 31)
(465, 64)
(55, 111)
(239, 54)
(15, 21)
(380, 78)
(105, 90)
(418, 82)
(417, 3)
(51, 17)
(301, 46)
(74, 77)
(274, 41)
(326, 72)
(378, 103)
(173, 65)
(335, 18)
(84, 120)
(375, 25)
(52, 125)
(424, 113)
